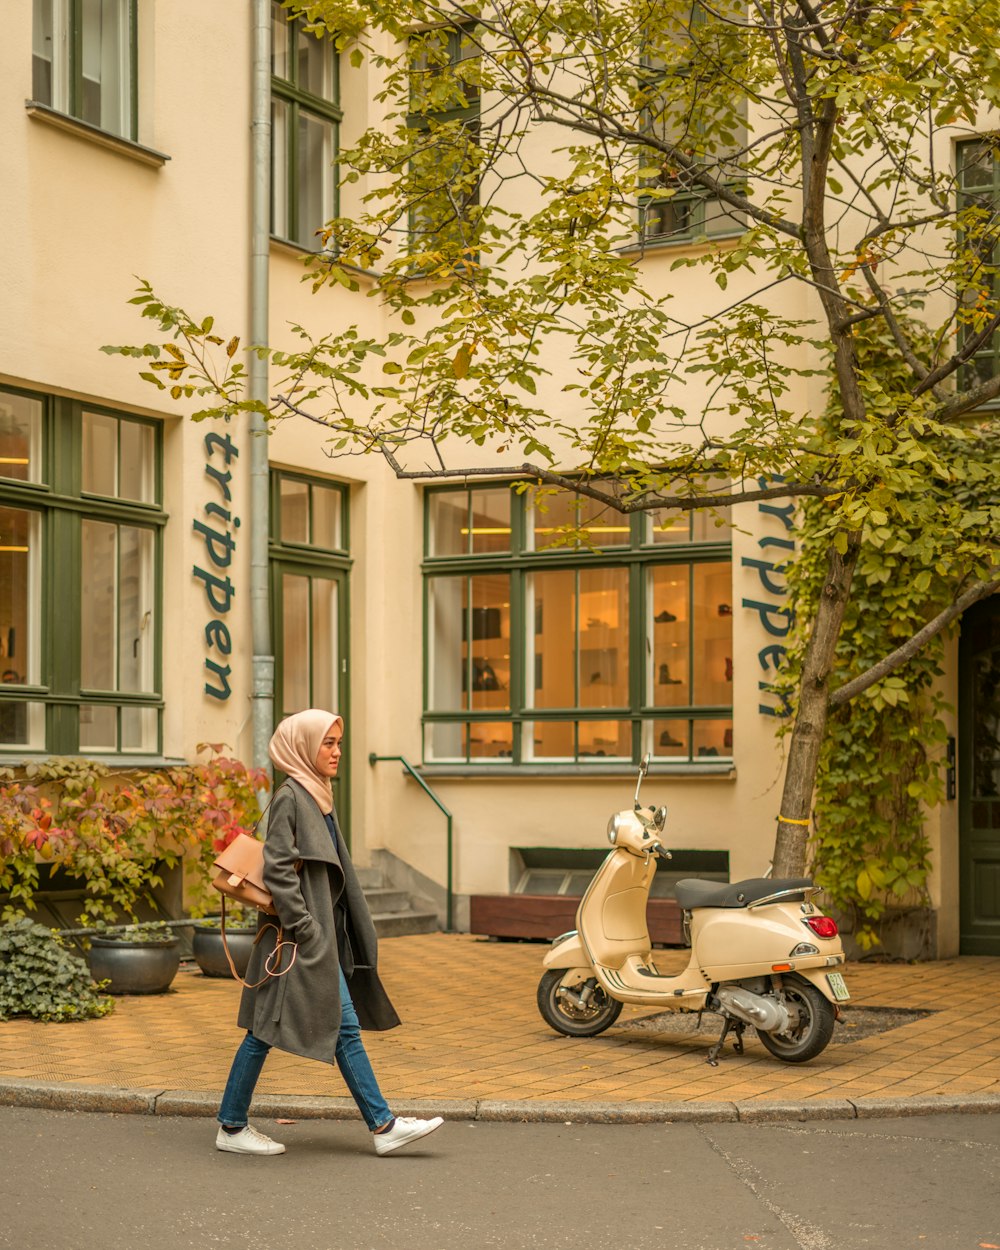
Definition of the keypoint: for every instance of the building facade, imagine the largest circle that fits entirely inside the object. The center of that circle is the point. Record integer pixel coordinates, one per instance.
(522, 681)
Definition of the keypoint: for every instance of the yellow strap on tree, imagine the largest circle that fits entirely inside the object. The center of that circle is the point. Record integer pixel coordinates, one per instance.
(787, 820)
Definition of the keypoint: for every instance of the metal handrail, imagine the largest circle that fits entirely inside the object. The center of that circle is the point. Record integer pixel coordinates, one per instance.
(374, 759)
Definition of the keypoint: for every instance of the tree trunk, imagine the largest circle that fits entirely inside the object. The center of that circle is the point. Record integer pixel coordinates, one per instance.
(810, 719)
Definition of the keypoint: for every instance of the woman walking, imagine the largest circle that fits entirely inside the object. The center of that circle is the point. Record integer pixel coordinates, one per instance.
(318, 1007)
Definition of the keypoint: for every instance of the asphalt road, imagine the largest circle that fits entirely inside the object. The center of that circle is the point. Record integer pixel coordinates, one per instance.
(79, 1181)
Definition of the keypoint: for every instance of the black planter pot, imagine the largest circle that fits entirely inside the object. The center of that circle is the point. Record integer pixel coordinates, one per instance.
(206, 946)
(134, 967)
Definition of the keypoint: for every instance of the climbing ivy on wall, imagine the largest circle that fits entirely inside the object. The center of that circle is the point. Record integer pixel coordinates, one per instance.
(883, 757)
(882, 760)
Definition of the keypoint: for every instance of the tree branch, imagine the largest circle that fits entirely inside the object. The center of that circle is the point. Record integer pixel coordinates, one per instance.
(896, 659)
(644, 503)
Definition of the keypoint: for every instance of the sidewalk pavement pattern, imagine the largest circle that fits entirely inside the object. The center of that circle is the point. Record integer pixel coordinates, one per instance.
(474, 1046)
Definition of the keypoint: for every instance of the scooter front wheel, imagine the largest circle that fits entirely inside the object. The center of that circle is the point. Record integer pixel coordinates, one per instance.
(813, 1029)
(571, 1011)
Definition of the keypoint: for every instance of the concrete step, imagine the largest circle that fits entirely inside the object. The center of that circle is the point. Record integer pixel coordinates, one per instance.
(370, 878)
(404, 923)
(386, 899)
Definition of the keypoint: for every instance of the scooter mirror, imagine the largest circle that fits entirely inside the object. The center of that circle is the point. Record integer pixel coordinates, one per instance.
(643, 770)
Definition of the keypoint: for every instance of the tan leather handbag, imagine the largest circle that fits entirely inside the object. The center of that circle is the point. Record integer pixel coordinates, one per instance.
(241, 874)
(241, 877)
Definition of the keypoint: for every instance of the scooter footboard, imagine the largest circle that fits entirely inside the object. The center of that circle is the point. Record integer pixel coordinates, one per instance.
(568, 953)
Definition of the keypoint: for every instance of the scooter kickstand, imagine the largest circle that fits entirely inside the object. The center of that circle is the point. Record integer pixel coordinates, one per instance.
(738, 1040)
(714, 1051)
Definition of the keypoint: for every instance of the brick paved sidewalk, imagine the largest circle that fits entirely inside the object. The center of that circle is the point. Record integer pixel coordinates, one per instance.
(472, 1032)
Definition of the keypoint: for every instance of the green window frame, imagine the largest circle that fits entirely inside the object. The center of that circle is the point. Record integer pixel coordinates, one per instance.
(80, 578)
(310, 566)
(84, 59)
(669, 210)
(583, 647)
(305, 130)
(979, 187)
(309, 553)
(444, 191)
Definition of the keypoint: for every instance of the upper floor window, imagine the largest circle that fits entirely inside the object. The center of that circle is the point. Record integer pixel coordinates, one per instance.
(979, 195)
(305, 121)
(84, 61)
(444, 110)
(553, 646)
(80, 523)
(688, 99)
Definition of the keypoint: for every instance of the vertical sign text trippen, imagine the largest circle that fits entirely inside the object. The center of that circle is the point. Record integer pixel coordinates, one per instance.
(219, 537)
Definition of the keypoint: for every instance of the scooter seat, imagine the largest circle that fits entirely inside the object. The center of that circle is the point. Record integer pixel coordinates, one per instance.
(693, 892)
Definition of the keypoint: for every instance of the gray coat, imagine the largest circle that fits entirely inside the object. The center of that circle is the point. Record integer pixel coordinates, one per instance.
(307, 874)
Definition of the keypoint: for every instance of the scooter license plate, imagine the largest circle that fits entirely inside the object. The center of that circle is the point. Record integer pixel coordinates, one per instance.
(838, 987)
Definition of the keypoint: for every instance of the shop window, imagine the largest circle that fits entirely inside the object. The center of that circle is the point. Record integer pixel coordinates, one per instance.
(979, 200)
(305, 121)
(83, 61)
(559, 632)
(80, 519)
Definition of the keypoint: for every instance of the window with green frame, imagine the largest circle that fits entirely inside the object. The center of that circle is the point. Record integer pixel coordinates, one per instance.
(305, 125)
(309, 565)
(80, 526)
(683, 107)
(83, 61)
(979, 188)
(444, 174)
(538, 652)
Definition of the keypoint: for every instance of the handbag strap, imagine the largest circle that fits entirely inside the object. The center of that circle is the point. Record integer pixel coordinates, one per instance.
(278, 947)
(266, 808)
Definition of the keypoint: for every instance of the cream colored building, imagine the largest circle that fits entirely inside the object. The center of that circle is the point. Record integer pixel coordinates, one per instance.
(522, 684)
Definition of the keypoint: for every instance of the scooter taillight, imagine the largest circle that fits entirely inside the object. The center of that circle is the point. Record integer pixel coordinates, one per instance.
(822, 926)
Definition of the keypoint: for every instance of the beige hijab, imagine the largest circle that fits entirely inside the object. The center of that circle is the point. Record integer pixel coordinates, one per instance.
(295, 745)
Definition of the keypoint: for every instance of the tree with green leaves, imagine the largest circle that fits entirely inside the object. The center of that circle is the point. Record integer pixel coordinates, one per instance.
(828, 169)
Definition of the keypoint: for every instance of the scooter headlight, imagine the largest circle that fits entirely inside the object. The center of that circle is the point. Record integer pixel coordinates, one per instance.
(614, 827)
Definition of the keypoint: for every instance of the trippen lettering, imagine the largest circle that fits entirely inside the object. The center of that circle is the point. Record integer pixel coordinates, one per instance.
(776, 618)
(220, 543)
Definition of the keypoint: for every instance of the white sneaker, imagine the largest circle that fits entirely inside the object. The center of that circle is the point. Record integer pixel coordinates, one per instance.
(403, 1132)
(247, 1142)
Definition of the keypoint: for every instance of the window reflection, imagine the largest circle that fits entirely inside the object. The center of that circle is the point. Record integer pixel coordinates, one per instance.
(20, 437)
(578, 652)
(486, 642)
(669, 678)
(553, 509)
(713, 634)
(20, 561)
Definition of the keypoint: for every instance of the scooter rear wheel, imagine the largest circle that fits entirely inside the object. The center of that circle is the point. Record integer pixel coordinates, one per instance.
(562, 1014)
(817, 1017)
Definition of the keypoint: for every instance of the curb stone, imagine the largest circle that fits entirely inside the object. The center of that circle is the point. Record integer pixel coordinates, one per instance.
(548, 1112)
(926, 1104)
(26, 1093)
(15, 1092)
(757, 1111)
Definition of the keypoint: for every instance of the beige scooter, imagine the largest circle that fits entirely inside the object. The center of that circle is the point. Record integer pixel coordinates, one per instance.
(761, 953)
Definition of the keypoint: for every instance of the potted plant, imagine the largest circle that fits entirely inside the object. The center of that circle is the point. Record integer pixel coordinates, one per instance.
(41, 979)
(135, 959)
(218, 798)
(77, 817)
(116, 833)
(207, 946)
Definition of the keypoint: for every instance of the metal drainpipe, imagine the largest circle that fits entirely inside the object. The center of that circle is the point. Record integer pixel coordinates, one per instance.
(260, 231)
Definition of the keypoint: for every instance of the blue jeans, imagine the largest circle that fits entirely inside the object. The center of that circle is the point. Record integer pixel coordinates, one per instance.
(352, 1060)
